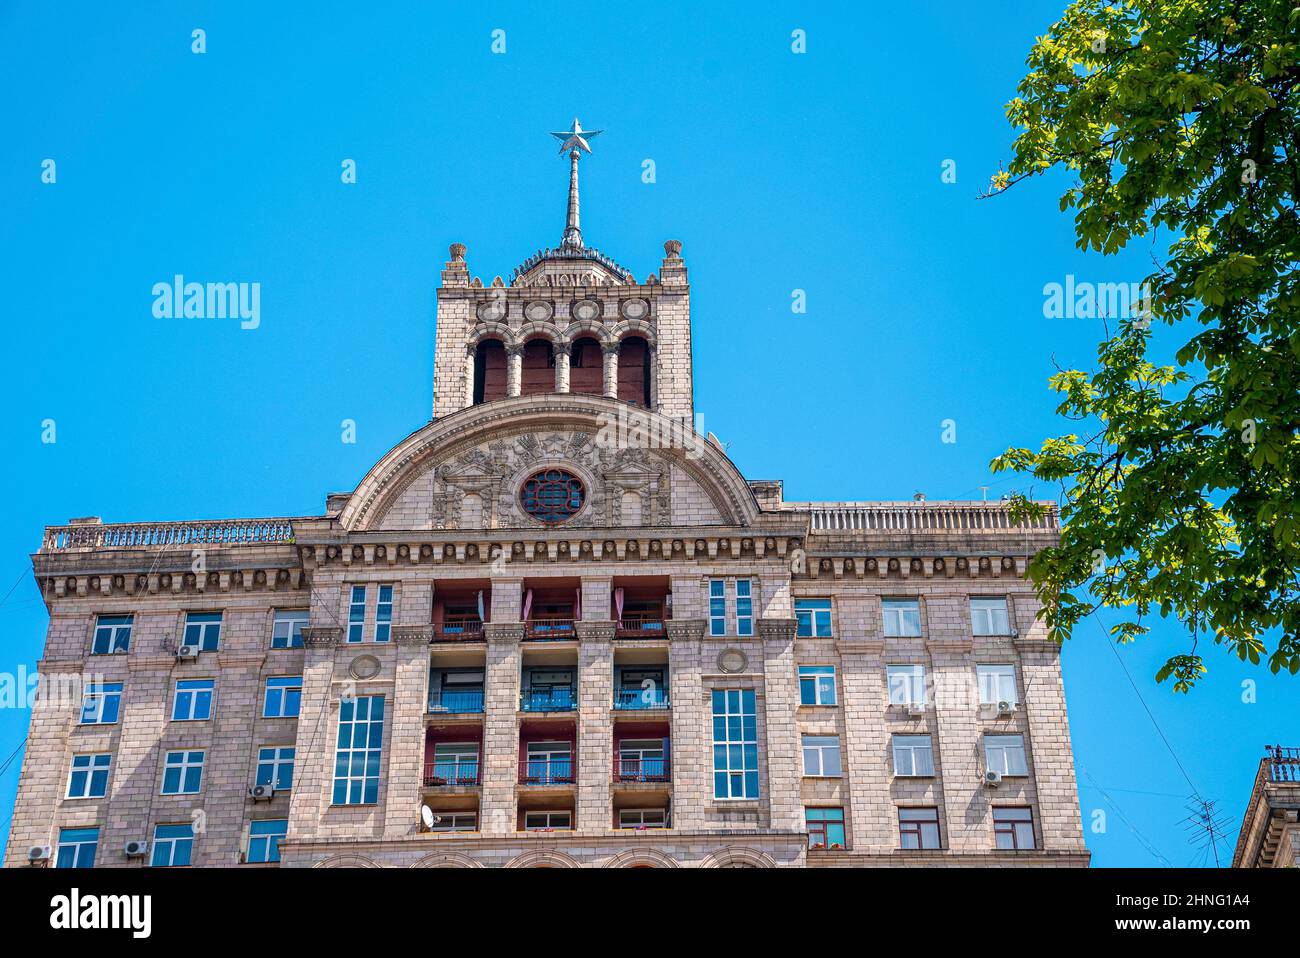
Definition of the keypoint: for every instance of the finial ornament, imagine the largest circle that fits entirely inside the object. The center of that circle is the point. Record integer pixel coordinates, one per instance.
(574, 141)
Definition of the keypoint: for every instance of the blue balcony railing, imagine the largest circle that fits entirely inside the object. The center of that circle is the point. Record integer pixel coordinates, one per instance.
(560, 699)
(639, 698)
(630, 769)
(446, 773)
(546, 771)
(457, 701)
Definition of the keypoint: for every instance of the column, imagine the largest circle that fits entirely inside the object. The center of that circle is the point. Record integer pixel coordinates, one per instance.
(471, 353)
(318, 716)
(955, 739)
(514, 369)
(610, 353)
(595, 728)
(500, 760)
(692, 743)
(872, 825)
(562, 353)
(1048, 742)
(780, 699)
(405, 730)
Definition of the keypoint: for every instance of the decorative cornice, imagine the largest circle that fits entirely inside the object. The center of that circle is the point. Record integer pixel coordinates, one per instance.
(595, 630)
(860, 645)
(778, 629)
(503, 632)
(685, 630)
(412, 634)
(321, 637)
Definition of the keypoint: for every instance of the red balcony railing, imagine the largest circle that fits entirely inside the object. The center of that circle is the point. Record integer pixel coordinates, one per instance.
(550, 630)
(448, 774)
(547, 771)
(458, 628)
(641, 769)
(640, 625)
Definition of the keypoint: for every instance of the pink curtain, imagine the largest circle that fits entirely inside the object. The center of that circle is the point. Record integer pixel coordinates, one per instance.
(528, 604)
(577, 603)
(481, 617)
(618, 603)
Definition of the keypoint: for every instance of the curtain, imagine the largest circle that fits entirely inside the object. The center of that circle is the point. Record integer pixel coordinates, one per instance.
(528, 604)
(481, 617)
(618, 603)
(577, 603)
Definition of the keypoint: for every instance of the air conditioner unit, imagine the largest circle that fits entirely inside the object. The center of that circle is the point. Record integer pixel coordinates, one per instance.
(38, 853)
(187, 652)
(1006, 708)
(137, 849)
(915, 708)
(992, 779)
(262, 793)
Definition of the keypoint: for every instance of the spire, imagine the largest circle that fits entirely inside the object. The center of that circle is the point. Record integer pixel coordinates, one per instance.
(574, 141)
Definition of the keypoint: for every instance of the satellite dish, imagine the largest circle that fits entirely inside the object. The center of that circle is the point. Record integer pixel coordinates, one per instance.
(427, 818)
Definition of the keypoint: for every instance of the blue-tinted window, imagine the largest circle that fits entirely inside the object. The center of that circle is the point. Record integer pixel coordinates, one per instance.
(76, 848)
(816, 685)
(100, 703)
(183, 773)
(286, 630)
(283, 697)
(112, 634)
(717, 607)
(813, 617)
(264, 839)
(359, 746)
(203, 630)
(193, 702)
(384, 614)
(744, 607)
(825, 827)
(173, 846)
(275, 767)
(735, 744)
(357, 614)
(89, 776)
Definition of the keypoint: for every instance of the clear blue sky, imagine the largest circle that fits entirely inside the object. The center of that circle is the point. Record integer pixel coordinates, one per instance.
(778, 171)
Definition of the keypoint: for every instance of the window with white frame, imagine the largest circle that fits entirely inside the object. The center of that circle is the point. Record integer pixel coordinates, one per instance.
(640, 818)
(360, 745)
(286, 628)
(357, 614)
(735, 744)
(76, 848)
(989, 617)
(112, 634)
(88, 776)
(744, 607)
(275, 767)
(101, 702)
(384, 614)
(283, 696)
(913, 755)
(821, 756)
(717, 607)
(997, 683)
(817, 685)
(906, 684)
(193, 700)
(1013, 829)
(455, 822)
(203, 631)
(548, 821)
(1005, 754)
(812, 618)
(183, 773)
(454, 763)
(173, 846)
(264, 836)
(902, 617)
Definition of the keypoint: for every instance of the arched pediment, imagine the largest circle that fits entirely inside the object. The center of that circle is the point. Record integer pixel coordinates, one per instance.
(469, 467)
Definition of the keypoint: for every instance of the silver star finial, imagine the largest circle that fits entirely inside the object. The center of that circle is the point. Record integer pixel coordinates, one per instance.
(576, 138)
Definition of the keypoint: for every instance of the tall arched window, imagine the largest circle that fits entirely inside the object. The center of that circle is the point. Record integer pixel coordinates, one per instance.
(634, 370)
(538, 369)
(489, 371)
(587, 367)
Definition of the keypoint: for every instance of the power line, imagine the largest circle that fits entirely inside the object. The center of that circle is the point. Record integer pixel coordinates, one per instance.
(1142, 839)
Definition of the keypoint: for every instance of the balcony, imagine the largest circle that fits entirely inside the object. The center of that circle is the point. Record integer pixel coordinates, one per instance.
(636, 699)
(457, 702)
(457, 628)
(637, 769)
(547, 771)
(1283, 765)
(451, 774)
(562, 699)
(640, 625)
(550, 630)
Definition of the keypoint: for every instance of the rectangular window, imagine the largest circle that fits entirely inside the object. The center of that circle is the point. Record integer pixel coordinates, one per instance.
(1005, 754)
(100, 703)
(816, 685)
(902, 617)
(283, 696)
(913, 755)
(997, 683)
(641, 818)
(112, 634)
(717, 607)
(549, 763)
(173, 846)
(825, 827)
(548, 821)
(906, 684)
(454, 763)
(989, 617)
(275, 767)
(357, 614)
(193, 702)
(455, 822)
(183, 773)
(1013, 828)
(384, 614)
(821, 756)
(264, 839)
(812, 617)
(76, 848)
(744, 607)
(918, 827)
(286, 630)
(203, 630)
(360, 744)
(735, 744)
(88, 777)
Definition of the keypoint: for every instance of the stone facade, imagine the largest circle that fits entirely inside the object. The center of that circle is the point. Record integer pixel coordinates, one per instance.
(1270, 829)
(439, 526)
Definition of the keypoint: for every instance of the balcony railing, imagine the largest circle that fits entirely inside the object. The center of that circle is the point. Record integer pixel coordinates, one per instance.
(550, 630)
(457, 701)
(639, 698)
(547, 771)
(921, 517)
(1284, 765)
(450, 774)
(641, 769)
(548, 700)
(458, 629)
(157, 535)
(640, 625)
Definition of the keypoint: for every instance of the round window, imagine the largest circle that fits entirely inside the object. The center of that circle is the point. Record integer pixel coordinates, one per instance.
(552, 496)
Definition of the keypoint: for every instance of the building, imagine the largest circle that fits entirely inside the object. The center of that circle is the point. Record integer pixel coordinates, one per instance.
(553, 626)
(1270, 829)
